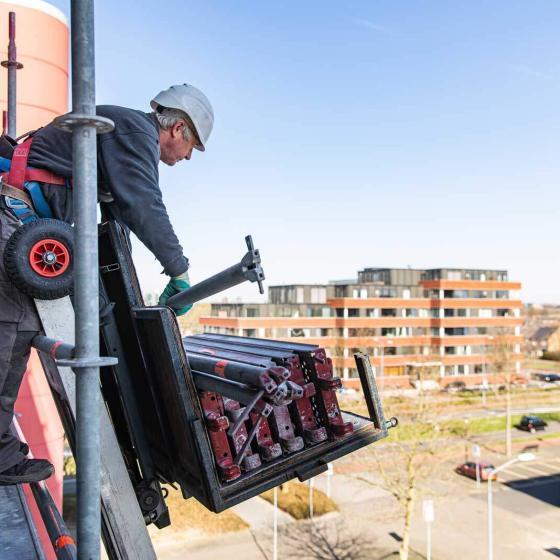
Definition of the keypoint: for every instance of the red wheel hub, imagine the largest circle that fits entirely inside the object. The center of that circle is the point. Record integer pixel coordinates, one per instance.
(49, 258)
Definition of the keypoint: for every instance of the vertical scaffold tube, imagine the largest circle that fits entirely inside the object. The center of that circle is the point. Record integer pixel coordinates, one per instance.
(12, 80)
(86, 288)
(13, 66)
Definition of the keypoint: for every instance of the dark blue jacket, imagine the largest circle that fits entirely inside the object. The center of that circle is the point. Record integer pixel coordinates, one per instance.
(128, 179)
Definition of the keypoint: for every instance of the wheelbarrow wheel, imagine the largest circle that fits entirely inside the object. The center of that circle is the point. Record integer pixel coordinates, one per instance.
(39, 258)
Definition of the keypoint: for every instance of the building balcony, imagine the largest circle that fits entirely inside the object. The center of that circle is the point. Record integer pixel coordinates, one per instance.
(416, 360)
(469, 285)
(403, 341)
(358, 322)
(424, 303)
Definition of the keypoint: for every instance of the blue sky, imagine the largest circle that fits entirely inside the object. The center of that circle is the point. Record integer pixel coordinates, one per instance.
(354, 134)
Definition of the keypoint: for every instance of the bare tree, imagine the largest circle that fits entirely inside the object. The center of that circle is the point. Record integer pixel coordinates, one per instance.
(325, 540)
(416, 441)
(502, 358)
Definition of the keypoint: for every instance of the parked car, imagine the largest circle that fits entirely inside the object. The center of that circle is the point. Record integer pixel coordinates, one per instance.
(531, 424)
(455, 387)
(469, 469)
(549, 377)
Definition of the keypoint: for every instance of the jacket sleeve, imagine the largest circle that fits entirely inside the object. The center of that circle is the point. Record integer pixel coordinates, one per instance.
(129, 163)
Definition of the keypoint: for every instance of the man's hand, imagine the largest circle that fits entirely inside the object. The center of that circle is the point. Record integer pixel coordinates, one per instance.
(174, 286)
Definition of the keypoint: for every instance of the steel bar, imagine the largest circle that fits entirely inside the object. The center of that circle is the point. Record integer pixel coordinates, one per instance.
(241, 439)
(303, 415)
(369, 387)
(208, 349)
(318, 368)
(213, 407)
(246, 445)
(54, 348)
(231, 389)
(255, 376)
(13, 66)
(283, 429)
(248, 409)
(260, 342)
(86, 281)
(268, 449)
(63, 543)
(245, 347)
(248, 269)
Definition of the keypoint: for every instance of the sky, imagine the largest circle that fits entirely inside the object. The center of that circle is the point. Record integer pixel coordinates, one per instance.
(353, 134)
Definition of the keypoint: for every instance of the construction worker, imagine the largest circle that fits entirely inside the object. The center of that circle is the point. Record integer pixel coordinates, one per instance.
(128, 191)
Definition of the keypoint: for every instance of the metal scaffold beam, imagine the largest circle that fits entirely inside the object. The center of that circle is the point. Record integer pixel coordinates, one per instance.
(84, 125)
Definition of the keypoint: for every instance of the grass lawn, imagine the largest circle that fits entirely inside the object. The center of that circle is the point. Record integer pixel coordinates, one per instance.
(493, 424)
(536, 364)
(293, 498)
(407, 430)
(190, 514)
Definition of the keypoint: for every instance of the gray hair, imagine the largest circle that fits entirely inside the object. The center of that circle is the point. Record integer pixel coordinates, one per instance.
(168, 117)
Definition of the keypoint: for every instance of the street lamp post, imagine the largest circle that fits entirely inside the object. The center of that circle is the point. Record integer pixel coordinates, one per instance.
(521, 457)
(275, 525)
(428, 514)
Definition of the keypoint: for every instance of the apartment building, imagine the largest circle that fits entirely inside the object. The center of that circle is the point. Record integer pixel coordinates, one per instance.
(452, 320)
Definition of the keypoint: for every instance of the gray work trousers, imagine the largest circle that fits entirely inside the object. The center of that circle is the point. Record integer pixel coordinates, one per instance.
(19, 323)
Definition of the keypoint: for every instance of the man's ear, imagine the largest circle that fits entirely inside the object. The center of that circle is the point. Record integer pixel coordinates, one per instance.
(177, 129)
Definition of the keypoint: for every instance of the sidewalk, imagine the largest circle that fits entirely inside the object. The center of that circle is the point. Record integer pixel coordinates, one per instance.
(259, 514)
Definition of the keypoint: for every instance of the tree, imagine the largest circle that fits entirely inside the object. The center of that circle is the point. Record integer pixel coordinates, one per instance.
(502, 358)
(325, 540)
(417, 439)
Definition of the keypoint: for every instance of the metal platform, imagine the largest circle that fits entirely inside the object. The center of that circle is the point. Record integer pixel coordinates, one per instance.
(18, 537)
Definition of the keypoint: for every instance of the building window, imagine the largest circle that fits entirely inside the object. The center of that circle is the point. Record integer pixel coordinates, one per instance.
(388, 313)
(318, 295)
(387, 292)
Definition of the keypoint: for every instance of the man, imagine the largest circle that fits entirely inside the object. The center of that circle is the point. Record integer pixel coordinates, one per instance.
(128, 190)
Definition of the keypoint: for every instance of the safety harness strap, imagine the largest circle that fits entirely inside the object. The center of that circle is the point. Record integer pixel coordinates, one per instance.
(16, 176)
(19, 173)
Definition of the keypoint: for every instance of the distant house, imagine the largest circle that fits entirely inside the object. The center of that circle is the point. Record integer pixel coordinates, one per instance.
(544, 339)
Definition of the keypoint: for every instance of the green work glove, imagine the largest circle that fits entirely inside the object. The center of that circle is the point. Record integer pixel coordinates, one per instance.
(174, 286)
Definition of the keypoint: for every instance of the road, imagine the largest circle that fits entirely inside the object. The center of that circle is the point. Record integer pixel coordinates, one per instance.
(526, 517)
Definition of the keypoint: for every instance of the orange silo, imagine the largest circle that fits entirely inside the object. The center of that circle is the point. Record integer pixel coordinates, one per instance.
(42, 93)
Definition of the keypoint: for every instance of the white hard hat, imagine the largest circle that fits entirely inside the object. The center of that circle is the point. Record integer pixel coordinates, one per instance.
(194, 103)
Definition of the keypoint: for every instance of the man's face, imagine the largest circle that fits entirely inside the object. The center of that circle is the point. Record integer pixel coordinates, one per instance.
(173, 146)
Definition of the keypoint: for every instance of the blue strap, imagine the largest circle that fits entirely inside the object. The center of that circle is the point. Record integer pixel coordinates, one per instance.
(34, 189)
(39, 201)
(20, 210)
(5, 164)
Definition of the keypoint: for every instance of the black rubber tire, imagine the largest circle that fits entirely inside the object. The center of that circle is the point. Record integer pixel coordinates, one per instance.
(16, 259)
